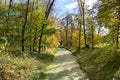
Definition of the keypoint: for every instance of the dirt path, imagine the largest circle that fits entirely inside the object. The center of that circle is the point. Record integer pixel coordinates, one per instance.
(65, 67)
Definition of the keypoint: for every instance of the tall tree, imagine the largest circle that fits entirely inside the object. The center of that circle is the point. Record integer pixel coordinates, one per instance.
(71, 18)
(31, 26)
(108, 14)
(66, 31)
(79, 43)
(80, 21)
(9, 10)
(47, 12)
(24, 25)
(82, 11)
(83, 8)
(7, 20)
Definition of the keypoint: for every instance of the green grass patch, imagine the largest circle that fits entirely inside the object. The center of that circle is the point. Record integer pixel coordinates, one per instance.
(101, 64)
(19, 66)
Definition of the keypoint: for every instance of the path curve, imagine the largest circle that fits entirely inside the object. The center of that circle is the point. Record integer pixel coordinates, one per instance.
(65, 67)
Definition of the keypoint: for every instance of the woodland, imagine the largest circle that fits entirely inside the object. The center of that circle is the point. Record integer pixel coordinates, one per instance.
(31, 33)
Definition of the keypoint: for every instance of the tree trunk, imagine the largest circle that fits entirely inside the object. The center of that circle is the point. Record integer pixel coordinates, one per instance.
(118, 29)
(72, 29)
(92, 37)
(47, 12)
(118, 33)
(117, 38)
(9, 10)
(5, 3)
(79, 43)
(84, 26)
(40, 40)
(34, 40)
(24, 25)
(66, 33)
(66, 37)
(71, 38)
(61, 37)
(7, 19)
(31, 27)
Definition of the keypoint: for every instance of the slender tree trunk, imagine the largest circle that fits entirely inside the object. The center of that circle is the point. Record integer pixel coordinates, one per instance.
(47, 12)
(66, 33)
(84, 25)
(7, 19)
(23, 27)
(92, 36)
(61, 37)
(117, 38)
(66, 37)
(5, 3)
(118, 29)
(71, 38)
(81, 15)
(34, 40)
(31, 27)
(72, 29)
(9, 10)
(118, 34)
(41, 36)
(79, 43)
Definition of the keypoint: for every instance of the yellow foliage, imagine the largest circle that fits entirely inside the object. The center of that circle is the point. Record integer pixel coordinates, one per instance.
(76, 39)
(53, 40)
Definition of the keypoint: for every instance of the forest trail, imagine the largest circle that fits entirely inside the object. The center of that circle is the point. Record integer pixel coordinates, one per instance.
(65, 67)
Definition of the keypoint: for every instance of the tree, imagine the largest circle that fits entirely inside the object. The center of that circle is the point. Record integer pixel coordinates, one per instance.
(80, 22)
(31, 26)
(108, 15)
(8, 14)
(47, 12)
(9, 9)
(79, 43)
(82, 11)
(24, 25)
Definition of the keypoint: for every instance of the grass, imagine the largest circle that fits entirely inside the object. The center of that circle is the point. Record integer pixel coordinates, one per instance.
(18, 66)
(101, 64)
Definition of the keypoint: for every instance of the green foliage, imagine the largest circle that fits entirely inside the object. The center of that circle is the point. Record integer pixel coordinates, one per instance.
(22, 67)
(101, 64)
(49, 31)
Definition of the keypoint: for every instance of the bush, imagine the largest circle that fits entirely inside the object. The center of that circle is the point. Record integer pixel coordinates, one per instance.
(13, 67)
(101, 64)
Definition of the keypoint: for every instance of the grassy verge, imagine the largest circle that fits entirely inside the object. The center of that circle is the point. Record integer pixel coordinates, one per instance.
(18, 66)
(101, 64)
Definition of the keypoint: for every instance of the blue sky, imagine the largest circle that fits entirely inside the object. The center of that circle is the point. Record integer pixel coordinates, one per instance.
(64, 7)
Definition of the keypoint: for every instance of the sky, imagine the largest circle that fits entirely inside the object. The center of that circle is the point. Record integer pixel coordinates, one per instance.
(64, 7)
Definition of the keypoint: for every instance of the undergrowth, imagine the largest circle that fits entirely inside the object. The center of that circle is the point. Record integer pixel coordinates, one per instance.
(19, 66)
(101, 64)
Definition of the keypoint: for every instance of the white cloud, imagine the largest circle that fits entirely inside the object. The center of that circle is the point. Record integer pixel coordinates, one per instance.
(90, 2)
(75, 4)
(72, 5)
(62, 1)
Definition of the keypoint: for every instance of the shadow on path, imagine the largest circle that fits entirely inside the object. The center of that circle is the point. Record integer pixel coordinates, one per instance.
(65, 67)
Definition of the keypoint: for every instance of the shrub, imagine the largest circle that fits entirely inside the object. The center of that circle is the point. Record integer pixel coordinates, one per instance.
(101, 64)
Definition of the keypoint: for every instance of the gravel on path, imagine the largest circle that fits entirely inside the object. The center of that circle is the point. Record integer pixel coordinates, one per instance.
(65, 67)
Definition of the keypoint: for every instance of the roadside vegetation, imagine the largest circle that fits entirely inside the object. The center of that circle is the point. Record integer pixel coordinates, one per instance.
(31, 31)
(16, 66)
(93, 37)
(101, 63)
(26, 35)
